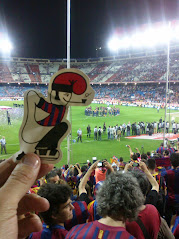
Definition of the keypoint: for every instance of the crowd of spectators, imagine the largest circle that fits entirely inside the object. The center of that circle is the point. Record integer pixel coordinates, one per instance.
(136, 199)
(143, 69)
(150, 93)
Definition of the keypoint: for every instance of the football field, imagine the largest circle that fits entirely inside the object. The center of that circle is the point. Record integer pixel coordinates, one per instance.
(81, 152)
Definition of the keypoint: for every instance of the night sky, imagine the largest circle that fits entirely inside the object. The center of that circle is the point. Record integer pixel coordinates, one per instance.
(37, 28)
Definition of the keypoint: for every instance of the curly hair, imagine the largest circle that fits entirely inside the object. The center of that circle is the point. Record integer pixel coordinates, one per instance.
(142, 181)
(120, 197)
(56, 194)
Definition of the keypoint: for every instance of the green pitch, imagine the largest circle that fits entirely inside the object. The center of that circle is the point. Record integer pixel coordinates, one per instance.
(81, 152)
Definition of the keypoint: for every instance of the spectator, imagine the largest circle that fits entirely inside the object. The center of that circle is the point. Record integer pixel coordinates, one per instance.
(59, 212)
(172, 178)
(119, 199)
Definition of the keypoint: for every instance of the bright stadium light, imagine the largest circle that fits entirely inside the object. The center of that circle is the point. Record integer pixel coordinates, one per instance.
(151, 36)
(5, 45)
(114, 44)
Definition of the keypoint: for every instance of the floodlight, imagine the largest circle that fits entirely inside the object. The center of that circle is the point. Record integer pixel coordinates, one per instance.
(114, 44)
(5, 45)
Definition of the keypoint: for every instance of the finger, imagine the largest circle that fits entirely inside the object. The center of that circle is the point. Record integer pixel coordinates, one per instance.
(21, 179)
(28, 225)
(6, 168)
(32, 203)
(44, 169)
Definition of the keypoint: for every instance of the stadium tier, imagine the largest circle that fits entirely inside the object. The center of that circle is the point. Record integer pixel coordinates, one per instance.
(136, 68)
(130, 77)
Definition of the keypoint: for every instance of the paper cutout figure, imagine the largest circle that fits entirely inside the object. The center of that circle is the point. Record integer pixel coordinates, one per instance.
(44, 124)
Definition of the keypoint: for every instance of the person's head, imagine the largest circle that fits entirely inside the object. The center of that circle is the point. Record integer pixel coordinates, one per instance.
(119, 197)
(134, 156)
(114, 166)
(66, 166)
(174, 158)
(143, 156)
(52, 177)
(151, 164)
(142, 180)
(121, 159)
(161, 145)
(61, 208)
(59, 172)
(166, 152)
(148, 154)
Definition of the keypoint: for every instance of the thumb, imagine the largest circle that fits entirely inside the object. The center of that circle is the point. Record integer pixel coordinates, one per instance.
(21, 178)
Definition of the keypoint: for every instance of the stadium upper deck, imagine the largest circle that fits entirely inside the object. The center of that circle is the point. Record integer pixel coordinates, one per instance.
(141, 67)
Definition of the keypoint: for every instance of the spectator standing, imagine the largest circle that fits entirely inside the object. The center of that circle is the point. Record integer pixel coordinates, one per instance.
(112, 196)
(99, 133)
(111, 133)
(95, 133)
(167, 127)
(88, 131)
(79, 133)
(172, 178)
(108, 131)
(174, 127)
(3, 145)
(8, 118)
(128, 129)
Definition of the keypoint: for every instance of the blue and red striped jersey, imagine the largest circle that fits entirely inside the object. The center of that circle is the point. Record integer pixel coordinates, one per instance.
(80, 214)
(53, 232)
(56, 113)
(172, 178)
(160, 150)
(97, 230)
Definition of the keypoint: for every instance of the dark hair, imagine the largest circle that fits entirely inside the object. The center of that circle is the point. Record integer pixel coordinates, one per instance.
(56, 194)
(51, 174)
(66, 166)
(59, 172)
(121, 159)
(174, 158)
(119, 197)
(143, 156)
(134, 156)
(151, 164)
(142, 180)
(167, 152)
(148, 153)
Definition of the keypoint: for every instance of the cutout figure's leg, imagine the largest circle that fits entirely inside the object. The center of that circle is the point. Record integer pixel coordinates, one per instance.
(50, 140)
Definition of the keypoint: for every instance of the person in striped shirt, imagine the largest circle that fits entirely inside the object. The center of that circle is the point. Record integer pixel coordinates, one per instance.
(60, 211)
(119, 199)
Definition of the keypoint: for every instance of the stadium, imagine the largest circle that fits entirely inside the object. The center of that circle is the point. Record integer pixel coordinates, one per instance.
(89, 143)
(134, 83)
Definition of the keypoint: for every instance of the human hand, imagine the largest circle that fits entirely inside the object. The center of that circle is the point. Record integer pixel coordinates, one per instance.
(94, 165)
(143, 167)
(15, 181)
(128, 166)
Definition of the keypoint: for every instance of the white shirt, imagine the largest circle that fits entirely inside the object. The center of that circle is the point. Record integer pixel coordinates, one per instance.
(3, 141)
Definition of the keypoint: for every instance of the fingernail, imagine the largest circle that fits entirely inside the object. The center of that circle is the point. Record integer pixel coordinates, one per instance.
(30, 160)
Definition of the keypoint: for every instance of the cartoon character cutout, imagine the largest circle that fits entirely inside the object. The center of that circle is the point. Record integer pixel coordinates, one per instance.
(44, 124)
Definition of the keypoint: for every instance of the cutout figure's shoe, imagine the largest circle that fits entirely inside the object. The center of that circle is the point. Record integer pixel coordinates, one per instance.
(45, 153)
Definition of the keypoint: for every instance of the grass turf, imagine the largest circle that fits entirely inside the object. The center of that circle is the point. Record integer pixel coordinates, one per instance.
(81, 152)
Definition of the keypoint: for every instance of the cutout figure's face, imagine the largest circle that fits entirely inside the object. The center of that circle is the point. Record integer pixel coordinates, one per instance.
(72, 99)
(70, 88)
